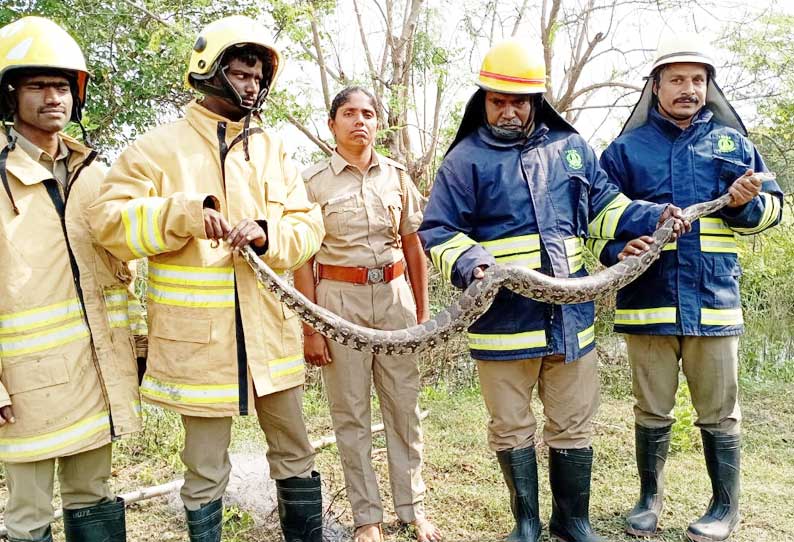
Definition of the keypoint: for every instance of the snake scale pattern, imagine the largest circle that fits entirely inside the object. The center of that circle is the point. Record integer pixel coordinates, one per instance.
(477, 298)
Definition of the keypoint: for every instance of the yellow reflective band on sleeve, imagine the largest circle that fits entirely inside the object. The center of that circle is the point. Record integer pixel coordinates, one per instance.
(520, 251)
(513, 341)
(639, 317)
(50, 443)
(605, 224)
(286, 366)
(137, 316)
(721, 317)
(586, 337)
(137, 409)
(17, 345)
(184, 286)
(670, 246)
(142, 226)
(309, 244)
(116, 305)
(189, 394)
(446, 254)
(573, 251)
(768, 218)
(40, 317)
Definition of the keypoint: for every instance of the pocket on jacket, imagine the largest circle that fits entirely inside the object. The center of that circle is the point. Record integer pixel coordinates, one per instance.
(728, 170)
(339, 212)
(179, 342)
(580, 191)
(34, 374)
(722, 287)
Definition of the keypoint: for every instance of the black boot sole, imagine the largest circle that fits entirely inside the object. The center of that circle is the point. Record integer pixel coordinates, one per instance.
(642, 534)
(701, 538)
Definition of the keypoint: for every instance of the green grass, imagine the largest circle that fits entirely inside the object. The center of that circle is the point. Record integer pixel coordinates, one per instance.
(466, 495)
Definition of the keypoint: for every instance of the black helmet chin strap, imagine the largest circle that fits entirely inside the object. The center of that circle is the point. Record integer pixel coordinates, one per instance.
(10, 146)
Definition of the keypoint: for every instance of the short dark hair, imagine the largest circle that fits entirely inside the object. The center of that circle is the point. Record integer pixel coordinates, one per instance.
(344, 96)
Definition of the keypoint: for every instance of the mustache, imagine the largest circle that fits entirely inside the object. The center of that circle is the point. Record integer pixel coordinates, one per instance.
(687, 100)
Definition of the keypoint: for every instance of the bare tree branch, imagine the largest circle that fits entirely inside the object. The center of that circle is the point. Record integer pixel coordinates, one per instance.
(314, 138)
(320, 61)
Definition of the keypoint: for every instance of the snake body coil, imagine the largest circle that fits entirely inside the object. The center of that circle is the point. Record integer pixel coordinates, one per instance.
(477, 298)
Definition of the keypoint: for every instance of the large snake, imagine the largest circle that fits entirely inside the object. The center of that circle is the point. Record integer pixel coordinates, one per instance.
(477, 298)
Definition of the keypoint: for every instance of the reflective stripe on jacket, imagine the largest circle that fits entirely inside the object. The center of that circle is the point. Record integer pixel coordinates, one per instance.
(694, 288)
(152, 205)
(67, 358)
(529, 204)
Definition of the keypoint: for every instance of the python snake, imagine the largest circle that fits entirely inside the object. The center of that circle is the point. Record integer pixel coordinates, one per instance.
(479, 295)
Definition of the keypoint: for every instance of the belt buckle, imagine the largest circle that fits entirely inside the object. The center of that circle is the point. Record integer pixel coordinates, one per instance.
(374, 276)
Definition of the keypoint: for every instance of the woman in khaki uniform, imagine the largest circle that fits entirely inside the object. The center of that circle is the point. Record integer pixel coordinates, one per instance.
(371, 211)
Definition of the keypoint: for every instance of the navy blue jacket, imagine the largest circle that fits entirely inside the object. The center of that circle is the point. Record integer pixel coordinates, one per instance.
(529, 203)
(694, 288)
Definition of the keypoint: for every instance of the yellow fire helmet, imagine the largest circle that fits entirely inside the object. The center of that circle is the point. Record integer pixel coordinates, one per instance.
(511, 67)
(215, 40)
(33, 43)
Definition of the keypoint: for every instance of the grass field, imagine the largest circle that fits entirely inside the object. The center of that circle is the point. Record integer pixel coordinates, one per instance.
(466, 495)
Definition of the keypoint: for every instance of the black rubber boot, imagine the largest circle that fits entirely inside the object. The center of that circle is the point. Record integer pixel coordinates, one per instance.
(569, 476)
(722, 452)
(46, 537)
(102, 522)
(300, 508)
(520, 470)
(206, 523)
(651, 447)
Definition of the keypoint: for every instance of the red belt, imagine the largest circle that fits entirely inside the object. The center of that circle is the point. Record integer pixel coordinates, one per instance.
(361, 275)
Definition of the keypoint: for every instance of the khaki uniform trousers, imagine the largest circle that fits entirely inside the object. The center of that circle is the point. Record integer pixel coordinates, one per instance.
(206, 450)
(711, 368)
(84, 482)
(348, 382)
(569, 393)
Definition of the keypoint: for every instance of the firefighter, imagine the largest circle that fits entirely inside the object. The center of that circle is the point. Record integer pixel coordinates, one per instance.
(519, 186)
(218, 347)
(67, 359)
(684, 144)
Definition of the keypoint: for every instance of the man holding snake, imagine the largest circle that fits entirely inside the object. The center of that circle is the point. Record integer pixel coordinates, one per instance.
(519, 186)
(684, 144)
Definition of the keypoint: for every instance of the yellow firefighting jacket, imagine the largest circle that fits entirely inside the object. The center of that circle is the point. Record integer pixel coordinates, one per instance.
(67, 357)
(151, 206)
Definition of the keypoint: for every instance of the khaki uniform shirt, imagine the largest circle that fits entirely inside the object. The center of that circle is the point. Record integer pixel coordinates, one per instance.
(56, 165)
(363, 214)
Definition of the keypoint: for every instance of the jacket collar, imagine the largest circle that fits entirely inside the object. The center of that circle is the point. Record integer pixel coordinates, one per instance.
(206, 122)
(338, 163)
(671, 129)
(539, 134)
(29, 172)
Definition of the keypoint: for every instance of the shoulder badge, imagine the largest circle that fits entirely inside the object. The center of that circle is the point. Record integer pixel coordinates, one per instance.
(574, 159)
(726, 144)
